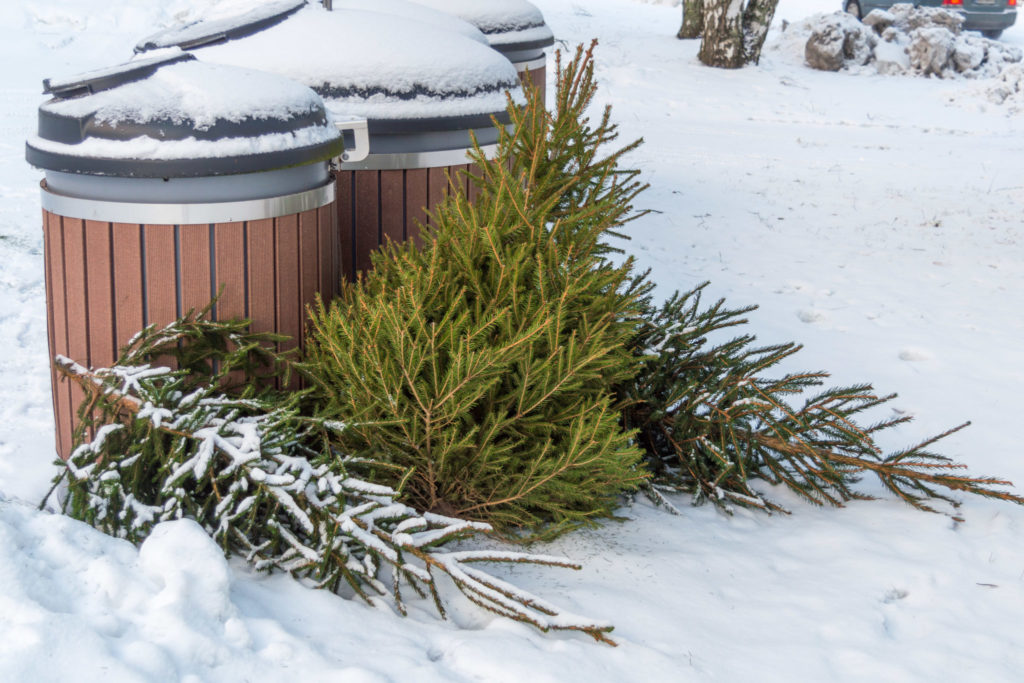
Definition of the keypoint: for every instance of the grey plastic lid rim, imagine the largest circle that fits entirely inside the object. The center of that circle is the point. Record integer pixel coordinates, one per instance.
(523, 45)
(408, 161)
(183, 168)
(437, 123)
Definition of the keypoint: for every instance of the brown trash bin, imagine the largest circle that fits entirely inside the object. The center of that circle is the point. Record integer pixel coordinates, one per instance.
(515, 28)
(166, 180)
(423, 91)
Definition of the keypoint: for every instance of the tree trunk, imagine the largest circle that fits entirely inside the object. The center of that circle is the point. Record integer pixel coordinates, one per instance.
(757, 17)
(733, 31)
(723, 44)
(693, 19)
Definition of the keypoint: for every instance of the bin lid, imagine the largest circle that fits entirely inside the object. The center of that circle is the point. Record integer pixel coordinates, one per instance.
(510, 25)
(401, 75)
(172, 116)
(415, 12)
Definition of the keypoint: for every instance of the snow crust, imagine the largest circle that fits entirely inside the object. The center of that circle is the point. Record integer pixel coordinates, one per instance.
(492, 16)
(415, 12)
(875, 219)
(196, 92)
(505, 22)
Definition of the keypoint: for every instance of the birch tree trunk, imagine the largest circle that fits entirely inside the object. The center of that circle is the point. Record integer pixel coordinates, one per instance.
(722, 44)
(693, 19)
(732, 31)
(757, 17)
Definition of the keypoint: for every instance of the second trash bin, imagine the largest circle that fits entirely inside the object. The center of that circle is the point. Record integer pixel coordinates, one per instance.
(423, 91)
(166, 180)
(515, 28)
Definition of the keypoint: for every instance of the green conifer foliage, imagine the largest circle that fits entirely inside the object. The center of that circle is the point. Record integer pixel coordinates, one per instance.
(710, 421)
(259, 476)
(485, 360)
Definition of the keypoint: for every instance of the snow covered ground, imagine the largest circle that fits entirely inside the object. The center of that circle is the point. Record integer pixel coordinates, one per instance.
(875, 219)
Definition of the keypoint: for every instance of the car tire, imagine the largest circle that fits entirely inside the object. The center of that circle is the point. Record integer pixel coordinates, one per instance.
(853, 7)
(992, 35)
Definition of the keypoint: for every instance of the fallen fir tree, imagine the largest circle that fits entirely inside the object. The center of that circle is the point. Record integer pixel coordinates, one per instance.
(711, 422)
(260, 478)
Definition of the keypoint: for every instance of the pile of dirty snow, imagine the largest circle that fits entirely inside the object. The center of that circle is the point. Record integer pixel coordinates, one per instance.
(925, 41)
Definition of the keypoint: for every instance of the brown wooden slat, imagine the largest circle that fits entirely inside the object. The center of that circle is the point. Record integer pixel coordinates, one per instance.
(415, 201)
(102, 347)
(471, 188)
(57, 304)
(229, 269)
(76, 299)
(367, 218)
(290, 313)
(261, 275)
(48, 282)
(161, 275)
(392, 206)
(328, 248)
(194, 241)
(346, 222)
(128, 286)
(287, 280)
(309, 264)
(437, 186)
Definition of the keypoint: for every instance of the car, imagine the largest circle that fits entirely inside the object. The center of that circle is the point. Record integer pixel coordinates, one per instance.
(991, 17)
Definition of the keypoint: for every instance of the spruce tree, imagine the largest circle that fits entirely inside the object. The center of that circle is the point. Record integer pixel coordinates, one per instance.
(483, 361)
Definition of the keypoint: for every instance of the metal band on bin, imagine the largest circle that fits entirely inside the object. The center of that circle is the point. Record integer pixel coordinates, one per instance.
(531, 64)
(428, 143)
(187, 214)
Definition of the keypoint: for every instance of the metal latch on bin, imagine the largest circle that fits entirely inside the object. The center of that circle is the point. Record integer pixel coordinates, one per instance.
(356, 135)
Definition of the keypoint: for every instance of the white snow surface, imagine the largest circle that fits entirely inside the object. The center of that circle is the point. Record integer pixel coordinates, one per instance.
(415, 12)
(506, 22)
(427, 72)
(491, 16)
(876, 219)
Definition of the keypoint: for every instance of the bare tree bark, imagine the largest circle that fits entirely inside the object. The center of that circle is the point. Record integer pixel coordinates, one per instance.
(732, 31)
(757, 18)
(722, 43)
(693, 19)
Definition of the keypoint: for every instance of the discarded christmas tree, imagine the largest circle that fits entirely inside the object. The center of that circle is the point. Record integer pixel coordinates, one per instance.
(260, 478)
(710, 421)
(484, 360)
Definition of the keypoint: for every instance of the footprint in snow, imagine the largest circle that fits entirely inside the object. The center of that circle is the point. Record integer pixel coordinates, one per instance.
(811, 315)
(914, 354)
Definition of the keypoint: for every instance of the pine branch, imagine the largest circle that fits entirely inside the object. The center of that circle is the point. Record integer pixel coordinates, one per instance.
(244, 470)
(711, 422)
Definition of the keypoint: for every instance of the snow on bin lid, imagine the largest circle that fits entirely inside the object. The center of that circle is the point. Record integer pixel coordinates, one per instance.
(172, 116)
(378, 66)
(415, 12)
(508, 24)
(218, 30)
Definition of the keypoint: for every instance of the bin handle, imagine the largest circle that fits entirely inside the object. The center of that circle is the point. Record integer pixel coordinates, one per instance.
(354, 129)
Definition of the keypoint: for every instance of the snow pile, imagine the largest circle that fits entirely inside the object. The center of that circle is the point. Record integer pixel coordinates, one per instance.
(924, 41)
(1008, 90)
